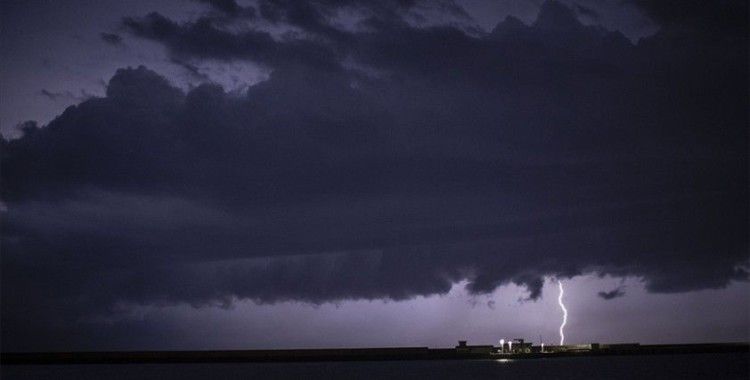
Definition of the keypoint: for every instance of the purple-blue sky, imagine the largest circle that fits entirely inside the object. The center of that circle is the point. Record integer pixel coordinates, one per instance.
(308, 174)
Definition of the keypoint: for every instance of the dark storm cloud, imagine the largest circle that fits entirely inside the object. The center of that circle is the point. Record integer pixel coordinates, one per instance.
(204, 39)
(321, 41)
(193, 70)
(228, 6)
(586, 11)
(721, 17)
(612, 294)
(385, 161)
(54, 96)
(111, 38)
(27, 128)
(64, 95)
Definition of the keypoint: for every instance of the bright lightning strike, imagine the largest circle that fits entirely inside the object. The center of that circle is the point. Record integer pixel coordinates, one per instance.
(565, 313)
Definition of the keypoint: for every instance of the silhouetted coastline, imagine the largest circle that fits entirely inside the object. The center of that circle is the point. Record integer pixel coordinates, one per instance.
(345, 354)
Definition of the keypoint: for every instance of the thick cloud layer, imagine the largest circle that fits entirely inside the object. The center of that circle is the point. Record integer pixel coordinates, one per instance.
(383, 160)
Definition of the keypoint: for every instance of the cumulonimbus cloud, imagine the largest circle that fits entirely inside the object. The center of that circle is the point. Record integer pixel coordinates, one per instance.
(383, 162)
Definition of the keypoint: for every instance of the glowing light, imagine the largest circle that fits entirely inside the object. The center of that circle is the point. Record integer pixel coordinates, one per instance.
(565, 313)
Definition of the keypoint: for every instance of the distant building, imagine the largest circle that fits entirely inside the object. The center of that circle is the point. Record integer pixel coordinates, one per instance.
(515, 346)
(519, 346)
(463, 348)
(621, 346)
(572, 347)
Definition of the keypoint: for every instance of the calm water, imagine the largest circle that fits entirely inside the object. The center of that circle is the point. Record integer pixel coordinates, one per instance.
(696, 366)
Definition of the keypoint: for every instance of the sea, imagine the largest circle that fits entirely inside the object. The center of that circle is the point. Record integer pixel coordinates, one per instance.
(689, 366)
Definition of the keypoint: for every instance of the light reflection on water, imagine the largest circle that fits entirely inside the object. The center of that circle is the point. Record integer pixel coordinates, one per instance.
(695, 366)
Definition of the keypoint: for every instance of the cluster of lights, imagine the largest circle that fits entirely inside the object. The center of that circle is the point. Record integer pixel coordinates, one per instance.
(510, 345)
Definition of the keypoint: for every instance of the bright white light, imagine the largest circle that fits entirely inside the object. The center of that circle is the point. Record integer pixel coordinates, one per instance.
(510, 345)
(565, 313)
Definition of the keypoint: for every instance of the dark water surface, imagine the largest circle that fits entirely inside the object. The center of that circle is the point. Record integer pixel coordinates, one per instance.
(694, 366)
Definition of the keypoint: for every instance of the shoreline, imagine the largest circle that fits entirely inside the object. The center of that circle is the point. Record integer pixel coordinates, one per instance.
(340, 354)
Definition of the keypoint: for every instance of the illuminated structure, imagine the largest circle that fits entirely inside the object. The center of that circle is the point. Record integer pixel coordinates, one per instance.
(521, 347)
(463, 348)
(515, 346)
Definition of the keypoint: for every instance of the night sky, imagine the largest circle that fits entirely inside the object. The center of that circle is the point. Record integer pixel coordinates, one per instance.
(278, 174)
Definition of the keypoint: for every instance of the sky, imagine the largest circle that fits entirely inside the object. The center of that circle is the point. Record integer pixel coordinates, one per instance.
(222, 174)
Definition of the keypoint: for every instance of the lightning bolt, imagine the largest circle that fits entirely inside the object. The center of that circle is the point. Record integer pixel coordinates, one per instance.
(565, 313)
